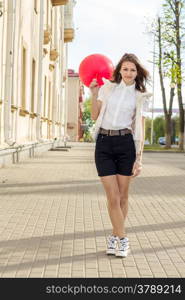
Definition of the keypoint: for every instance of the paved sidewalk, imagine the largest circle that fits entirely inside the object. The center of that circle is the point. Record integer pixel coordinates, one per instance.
(54, 220)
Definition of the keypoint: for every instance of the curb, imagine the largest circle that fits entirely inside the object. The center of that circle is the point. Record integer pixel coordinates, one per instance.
(159, 151)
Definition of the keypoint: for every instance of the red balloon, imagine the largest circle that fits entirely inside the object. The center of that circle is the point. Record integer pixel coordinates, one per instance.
(95, 66)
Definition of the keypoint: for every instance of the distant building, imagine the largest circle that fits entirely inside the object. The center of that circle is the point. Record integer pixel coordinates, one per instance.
(74, 106)
(160, 110)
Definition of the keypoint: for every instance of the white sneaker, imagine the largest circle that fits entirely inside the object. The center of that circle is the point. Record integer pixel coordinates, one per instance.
(111, 244)
(122, 249)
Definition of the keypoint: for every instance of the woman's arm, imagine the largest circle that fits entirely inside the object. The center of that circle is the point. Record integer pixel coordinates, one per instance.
(140, 155)
(96, 104)
(96, 107)
(138, 162)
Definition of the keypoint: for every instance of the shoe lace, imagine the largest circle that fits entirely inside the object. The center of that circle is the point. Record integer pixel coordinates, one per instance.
(123, 244)
(111, 242)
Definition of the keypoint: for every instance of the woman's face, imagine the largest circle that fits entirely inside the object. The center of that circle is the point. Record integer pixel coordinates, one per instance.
(128, 72)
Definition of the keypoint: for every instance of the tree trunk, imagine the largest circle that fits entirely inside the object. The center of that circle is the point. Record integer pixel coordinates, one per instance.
(168, 130)
(167, 114)
(179, 79)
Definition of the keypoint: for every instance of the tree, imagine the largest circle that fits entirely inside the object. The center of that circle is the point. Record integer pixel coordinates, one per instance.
(174, 25)
(159, 127)
(148, 122)
(167, 68)
(86, 118)
(176, 128)
(169, 31)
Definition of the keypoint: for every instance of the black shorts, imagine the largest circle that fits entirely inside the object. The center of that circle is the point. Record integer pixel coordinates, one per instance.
(115, 154)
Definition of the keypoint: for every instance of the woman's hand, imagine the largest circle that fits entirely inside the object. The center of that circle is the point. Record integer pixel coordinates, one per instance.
(94, 87)
(137, 168)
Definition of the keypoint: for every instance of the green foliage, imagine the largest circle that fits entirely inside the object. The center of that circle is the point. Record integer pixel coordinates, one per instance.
(87, 137)
(176, 127)
(169, 31)
(159, 128)
(148, 124)
(86, 118)
(170, 42)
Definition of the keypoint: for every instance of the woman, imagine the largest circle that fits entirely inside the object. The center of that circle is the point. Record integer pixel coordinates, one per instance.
(119, 108)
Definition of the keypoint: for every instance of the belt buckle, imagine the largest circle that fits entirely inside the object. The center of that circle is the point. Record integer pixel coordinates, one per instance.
(110, 132)
(123, 132)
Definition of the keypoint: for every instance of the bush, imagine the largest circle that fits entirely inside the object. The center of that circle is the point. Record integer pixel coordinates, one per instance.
(87, 137)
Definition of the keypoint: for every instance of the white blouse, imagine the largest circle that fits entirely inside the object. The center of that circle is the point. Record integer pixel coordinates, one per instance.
(121, 106)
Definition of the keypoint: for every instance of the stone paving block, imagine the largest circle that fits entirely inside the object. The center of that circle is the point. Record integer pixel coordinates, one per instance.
(132, 274)
(8, 275)
(91, 275)
(35, 275)
(103, 274)
(54, 220)
(91, 265)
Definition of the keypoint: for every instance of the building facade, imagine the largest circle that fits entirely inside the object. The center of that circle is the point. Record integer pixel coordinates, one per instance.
(33, 71)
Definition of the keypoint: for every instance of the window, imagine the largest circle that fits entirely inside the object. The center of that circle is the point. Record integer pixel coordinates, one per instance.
(58, 108)
(45, 95)
(47, 13)
(49, 102)
(33, 87)
(23, 81)
(51, 20)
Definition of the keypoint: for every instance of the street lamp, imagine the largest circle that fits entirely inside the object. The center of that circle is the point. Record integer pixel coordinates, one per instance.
(153, 75)
(151, 30)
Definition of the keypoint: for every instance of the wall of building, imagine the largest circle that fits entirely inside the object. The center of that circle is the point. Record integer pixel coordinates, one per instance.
(74, 103)
(33, 71)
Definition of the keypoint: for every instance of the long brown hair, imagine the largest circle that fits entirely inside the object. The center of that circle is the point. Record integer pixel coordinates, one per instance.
(142, 74)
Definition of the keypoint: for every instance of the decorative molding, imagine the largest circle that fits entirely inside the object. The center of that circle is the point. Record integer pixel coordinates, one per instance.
(33, 115)
(51, 67)
(14, 108)
(58, 123)
(45, 51)
(68, 35)
(59, 2)
(47, 35)
(23, 112)
(54, 54)
(44, 119)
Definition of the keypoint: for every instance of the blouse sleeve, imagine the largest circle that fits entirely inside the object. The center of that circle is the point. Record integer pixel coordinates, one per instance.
(101, 93)
(146, 107)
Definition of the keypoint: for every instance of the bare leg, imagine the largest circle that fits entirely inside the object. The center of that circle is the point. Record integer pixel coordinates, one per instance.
(123, 183)
(111, 187)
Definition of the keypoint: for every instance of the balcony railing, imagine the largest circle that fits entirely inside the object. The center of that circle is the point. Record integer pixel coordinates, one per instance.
(59, 2)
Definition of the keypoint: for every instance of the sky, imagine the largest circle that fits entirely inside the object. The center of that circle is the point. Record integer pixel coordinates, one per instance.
(113, 28)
